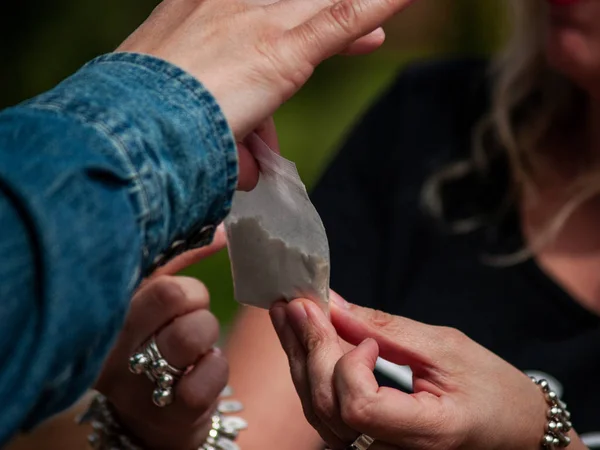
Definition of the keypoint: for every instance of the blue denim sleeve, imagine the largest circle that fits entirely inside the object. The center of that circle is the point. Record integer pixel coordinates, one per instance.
(97, 177)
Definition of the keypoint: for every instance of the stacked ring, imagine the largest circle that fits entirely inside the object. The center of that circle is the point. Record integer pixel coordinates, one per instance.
(149, 361)
(363, 442)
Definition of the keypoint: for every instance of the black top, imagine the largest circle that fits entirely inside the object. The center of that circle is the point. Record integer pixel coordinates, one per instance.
(388, 254)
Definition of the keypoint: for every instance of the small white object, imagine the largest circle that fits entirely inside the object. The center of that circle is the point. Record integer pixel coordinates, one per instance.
(230, 406)
(226, 444)
(276, 240)
(227, 392)
(235, 422)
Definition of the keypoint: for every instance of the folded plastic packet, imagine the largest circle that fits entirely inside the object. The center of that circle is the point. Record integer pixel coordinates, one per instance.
(277, 242)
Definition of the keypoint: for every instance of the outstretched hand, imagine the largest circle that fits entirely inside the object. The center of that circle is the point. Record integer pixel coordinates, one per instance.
(253, 56)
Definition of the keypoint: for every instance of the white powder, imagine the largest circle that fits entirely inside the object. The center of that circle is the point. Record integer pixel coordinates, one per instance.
(266, 269)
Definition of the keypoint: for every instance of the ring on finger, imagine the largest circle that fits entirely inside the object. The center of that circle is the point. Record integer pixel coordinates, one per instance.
(363, 442)
(150, 361)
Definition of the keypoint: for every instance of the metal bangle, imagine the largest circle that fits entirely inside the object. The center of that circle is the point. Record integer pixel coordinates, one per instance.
(559, 419)
(108, 434)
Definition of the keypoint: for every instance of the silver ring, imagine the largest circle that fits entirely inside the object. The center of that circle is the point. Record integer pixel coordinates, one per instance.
(363, 442)
(153, 348)
(150, 362)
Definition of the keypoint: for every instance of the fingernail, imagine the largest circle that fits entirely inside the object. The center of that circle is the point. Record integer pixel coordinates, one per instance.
(217, 351)
(278, 317)
(338, 301)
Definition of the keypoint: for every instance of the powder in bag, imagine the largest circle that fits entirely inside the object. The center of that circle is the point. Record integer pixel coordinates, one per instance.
(277, 242)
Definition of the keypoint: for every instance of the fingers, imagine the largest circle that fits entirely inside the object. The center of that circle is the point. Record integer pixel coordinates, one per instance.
(175, 310)
(248, 168)
(191, 257)
(323, 350)
(402, 341)
(159, 302)
(332, 29)
(198, 390)
(296, 355)
(268, 133)
(366, 44)
(185, 340)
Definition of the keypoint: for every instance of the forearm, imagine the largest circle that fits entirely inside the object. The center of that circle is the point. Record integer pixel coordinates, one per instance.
(260, 378)
(97, 177)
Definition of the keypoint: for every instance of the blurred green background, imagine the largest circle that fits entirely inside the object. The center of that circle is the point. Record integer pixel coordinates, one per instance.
(43, 42)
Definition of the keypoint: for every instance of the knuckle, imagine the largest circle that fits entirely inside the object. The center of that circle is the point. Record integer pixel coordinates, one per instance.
(165, 292)
(192, 340)
(345, 15)
(323, 404)
(383, 320)
(313, 340)
(451, 337)
(281, 67)
(194, 291)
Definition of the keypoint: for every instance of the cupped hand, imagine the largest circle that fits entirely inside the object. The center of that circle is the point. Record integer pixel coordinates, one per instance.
(253, 56)
(465, 397)
(174, 309)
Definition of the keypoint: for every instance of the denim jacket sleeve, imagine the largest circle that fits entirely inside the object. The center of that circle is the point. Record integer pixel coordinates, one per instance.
(97, 177)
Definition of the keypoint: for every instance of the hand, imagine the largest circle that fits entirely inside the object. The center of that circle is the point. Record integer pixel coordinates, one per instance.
(175, 310)
(253, 57)
(465, 397)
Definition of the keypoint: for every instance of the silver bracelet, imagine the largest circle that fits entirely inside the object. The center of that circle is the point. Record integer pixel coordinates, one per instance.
(109, 434)
(559, 419)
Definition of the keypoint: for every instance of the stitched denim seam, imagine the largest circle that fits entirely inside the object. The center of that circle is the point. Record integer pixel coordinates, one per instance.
(208, 106)
(204, 104)
(121, 149)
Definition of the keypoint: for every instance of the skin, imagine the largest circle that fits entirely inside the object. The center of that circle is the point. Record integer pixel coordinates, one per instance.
(253, 56)
(572, 48)
(461, 390)
(348, 400)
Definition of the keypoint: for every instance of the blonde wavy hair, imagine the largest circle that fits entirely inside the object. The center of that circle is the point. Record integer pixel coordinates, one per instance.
(528, 101)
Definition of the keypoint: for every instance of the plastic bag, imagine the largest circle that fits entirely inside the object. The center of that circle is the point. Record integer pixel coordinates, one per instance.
(277, 242)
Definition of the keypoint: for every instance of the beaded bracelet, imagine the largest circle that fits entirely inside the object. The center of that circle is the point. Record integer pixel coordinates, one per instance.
(559, 419)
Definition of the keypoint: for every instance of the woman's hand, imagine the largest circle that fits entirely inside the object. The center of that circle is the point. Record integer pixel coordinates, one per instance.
(253, 56)
(465, 397)
(174, 309)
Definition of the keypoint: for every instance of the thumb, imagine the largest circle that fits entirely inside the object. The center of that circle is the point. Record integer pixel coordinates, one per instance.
(401, 340)
(366, 44)
(383, 413)
(334, 28)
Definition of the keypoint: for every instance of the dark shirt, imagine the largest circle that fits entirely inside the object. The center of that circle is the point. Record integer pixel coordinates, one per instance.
(387, 253)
